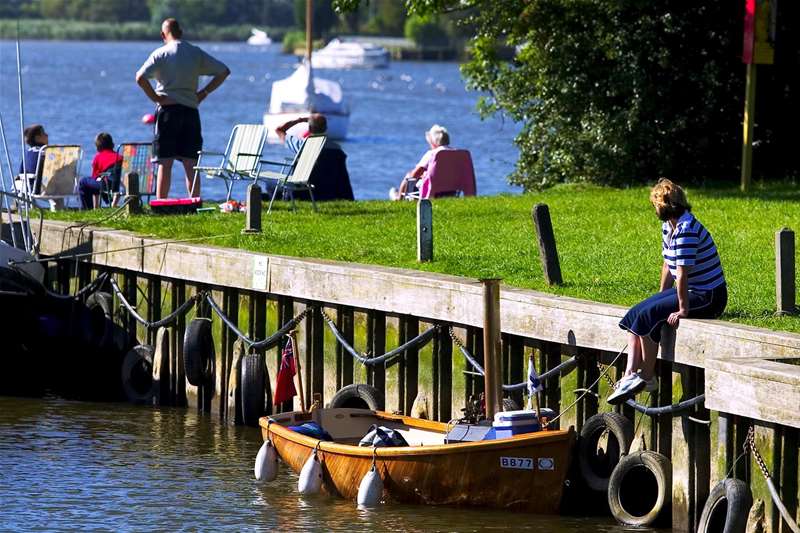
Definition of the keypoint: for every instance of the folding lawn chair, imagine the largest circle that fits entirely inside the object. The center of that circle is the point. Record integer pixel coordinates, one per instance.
(295, 176)
(450, 173)
(241, 158)
(56, 176)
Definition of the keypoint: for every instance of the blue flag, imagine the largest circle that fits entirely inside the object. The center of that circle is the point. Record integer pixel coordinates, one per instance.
(534, 384)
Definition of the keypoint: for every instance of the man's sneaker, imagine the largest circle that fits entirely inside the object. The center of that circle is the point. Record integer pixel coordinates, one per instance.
(651, 385)
(393, 194)
(626, 388)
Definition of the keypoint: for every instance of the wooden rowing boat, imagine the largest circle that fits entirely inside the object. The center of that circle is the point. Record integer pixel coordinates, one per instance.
(522, 473)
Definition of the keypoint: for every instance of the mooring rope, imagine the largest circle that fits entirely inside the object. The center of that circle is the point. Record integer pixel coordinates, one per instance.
(562, 368)
(663, 410)
(420, 340)
(90, 288)
(266, 343)
(750, 442)
(167, 320)
(587, 391)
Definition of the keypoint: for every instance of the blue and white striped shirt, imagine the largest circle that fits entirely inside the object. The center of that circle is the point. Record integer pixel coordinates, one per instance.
(690, 245)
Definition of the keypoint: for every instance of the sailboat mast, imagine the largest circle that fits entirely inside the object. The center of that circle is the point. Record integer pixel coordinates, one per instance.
(309, 15)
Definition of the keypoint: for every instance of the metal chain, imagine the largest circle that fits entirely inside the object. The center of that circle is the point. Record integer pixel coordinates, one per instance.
(750, 442)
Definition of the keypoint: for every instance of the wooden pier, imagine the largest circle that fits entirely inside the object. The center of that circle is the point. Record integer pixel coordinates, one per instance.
(750, 376)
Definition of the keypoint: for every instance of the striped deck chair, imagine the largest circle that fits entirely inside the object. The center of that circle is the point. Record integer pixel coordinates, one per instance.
(138, 158)
(241, 158)
(60, 168)
(295, 176)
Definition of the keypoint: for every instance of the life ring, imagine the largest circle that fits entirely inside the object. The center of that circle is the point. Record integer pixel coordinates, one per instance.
(253, 386)
(597, 463)
(726, 508)
(137, 374)
(198, 351)
(640, 488)
(359, 396)
(101, 308)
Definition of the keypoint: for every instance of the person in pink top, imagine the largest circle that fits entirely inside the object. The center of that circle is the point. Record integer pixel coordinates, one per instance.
(438, 139)
(101, 179)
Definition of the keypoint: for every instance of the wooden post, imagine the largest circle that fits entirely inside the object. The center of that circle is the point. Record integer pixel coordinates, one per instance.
(285, 313)
(445, 376)
(410, 368)
(424, 231)
(491, 345)
(784, 272)
(547, 244)
(133, 205)
(253, 216)
(178, 379)
(749, 119)
(376, 344)
(344, 361)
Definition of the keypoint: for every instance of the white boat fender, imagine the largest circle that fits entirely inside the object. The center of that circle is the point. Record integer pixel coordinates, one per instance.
(370, 490)
(266, 467)
(310, 476)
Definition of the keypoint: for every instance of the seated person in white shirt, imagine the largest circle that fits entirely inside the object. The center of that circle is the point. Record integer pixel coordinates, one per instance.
(438, 139)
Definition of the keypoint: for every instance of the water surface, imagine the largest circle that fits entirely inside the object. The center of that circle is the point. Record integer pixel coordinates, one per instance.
(74, 466)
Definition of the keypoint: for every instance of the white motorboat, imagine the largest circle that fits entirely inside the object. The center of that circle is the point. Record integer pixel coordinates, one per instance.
(301, 94)
(350, 54)
(259, 38)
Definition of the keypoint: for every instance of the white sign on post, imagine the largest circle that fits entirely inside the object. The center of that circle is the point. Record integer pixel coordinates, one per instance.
(260, 265)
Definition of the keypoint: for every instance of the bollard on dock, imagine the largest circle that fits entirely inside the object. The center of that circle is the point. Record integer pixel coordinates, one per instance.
(133, 202)
(253, 216)
(424, 231)
(784, 272)
(547, 244)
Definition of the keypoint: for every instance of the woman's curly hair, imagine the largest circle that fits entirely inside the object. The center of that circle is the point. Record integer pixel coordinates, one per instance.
(669, 199)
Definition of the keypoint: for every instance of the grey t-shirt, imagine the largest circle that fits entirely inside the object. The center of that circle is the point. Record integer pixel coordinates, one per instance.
(176, 67)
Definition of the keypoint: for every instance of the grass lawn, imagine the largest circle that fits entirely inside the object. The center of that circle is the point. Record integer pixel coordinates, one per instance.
(608, 239)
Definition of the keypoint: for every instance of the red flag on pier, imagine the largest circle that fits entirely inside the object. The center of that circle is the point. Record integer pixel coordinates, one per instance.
(284, 384)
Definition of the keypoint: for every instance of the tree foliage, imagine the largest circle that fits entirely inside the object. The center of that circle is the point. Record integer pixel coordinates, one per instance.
(614, 91)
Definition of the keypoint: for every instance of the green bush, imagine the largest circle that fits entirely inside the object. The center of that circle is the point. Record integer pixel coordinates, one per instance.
(426, 31)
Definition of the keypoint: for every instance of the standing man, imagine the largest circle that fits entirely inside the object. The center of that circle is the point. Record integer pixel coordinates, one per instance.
(176, 67)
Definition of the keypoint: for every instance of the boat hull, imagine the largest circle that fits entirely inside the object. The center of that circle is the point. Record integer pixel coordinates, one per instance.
(524, 473)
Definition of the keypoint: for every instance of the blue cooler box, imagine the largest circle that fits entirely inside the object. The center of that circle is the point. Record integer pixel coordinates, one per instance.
(509, 423)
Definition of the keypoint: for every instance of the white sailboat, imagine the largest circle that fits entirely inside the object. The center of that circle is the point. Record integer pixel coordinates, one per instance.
(302, 94)
(258, 38)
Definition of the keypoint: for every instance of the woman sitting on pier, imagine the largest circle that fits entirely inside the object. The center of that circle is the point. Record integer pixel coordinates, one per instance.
(692, 286)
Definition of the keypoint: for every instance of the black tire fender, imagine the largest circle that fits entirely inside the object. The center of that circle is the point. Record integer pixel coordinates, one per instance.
(253, 389)
(359, 396)
(596, 464)
(640, 488)
(198, 351)
(726, 508)
(101, 307)
(137, 374)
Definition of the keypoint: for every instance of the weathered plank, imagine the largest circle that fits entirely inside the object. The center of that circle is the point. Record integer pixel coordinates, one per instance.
(755, 388)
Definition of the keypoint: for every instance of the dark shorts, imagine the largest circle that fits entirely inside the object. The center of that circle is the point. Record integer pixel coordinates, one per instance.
(647, 317)
(177, 133)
